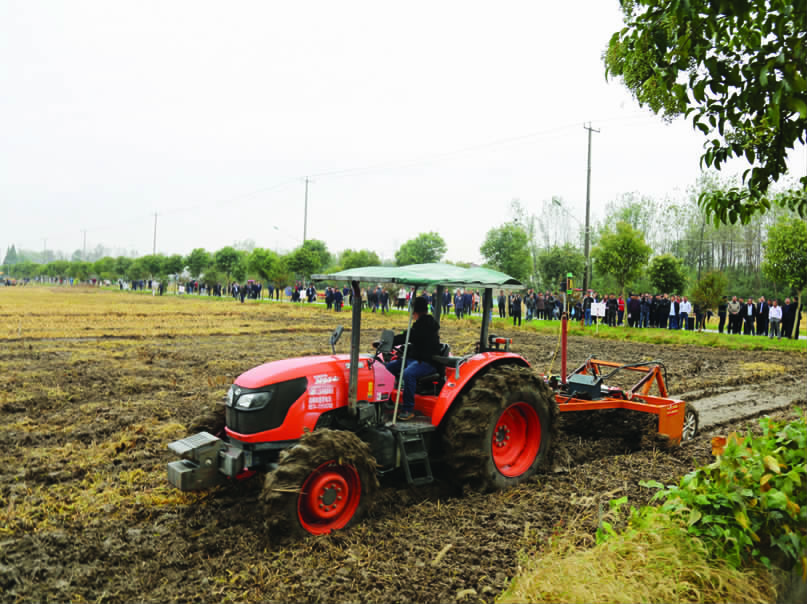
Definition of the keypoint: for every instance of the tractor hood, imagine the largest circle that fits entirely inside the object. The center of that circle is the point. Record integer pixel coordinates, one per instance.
(288, 369)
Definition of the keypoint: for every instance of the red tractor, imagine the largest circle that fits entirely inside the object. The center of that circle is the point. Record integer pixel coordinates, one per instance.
(323, 428)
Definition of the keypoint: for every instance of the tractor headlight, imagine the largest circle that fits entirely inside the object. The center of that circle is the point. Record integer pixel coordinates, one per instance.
(253, 400)
(230, 395)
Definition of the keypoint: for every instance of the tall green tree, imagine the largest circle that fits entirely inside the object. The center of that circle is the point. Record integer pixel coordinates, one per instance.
(153, 263)
(11, 256)
(709, 290)
(122, 264)
(355, 259)
(506, 249)
(785, 253)
(621, 253)
(262, 262)
(559, 260)
(173, 265)
(738, 69)
(226, 260)
(104, 268)
(423, 249)
(667, 274)
(320, 250)
(197, 261)
(303, 262)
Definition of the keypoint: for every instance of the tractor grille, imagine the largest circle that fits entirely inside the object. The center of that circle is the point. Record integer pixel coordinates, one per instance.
(270, 416)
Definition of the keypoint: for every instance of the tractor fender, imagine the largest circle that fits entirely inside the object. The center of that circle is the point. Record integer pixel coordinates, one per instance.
(468, 371)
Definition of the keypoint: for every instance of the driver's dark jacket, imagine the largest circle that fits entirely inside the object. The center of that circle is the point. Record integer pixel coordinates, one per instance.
(424, 339)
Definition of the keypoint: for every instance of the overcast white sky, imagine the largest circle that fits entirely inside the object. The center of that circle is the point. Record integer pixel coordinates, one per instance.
(409, 117)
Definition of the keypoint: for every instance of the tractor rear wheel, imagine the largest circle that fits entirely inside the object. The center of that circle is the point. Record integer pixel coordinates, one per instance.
(691, 422)
(500, 432)
(322, 484)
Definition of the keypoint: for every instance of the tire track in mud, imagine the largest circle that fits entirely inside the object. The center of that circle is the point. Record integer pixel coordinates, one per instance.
(720, 405)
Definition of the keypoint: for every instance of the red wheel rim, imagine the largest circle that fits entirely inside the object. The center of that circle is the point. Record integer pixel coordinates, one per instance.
(329, 498)
(516, 439)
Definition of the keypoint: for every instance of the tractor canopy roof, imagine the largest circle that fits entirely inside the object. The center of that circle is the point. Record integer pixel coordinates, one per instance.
(425, 275)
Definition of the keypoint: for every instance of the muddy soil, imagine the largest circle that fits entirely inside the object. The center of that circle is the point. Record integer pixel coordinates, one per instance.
(112, 531)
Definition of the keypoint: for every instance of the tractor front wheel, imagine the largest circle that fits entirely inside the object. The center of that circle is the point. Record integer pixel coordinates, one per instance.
(500, 432)
(322, 484)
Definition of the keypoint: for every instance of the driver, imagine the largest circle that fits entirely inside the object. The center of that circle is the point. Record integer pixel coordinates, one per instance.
(424, 342)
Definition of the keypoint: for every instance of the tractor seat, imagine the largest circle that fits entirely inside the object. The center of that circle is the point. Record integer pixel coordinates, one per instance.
(446, 361)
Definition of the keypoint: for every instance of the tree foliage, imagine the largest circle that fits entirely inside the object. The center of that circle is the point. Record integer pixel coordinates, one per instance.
(423, 249)
(555, 262)
(739, 69)
(667, 274)
(355, 259)
(263, 262)
(226, 260)
(197, 261)
(622, 254)
(786, 253)
(709, 290)
(173, 265)
(303, 262)
(320, 250)
(505, 249)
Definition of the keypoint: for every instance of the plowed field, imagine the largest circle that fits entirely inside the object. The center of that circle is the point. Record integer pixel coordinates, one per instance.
(94, 385)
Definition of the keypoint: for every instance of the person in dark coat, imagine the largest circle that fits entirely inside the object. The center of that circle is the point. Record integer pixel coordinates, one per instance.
(762, 317)
(634, 311)
(424, 343)
(516, 312)
(749, 315)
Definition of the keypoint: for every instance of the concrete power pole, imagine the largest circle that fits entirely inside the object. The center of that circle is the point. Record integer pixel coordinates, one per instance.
(84, 254)
(305, 211)
(587, 269)
(154, 247)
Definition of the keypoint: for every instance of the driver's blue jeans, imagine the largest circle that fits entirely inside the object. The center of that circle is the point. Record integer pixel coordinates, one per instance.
(414, 371)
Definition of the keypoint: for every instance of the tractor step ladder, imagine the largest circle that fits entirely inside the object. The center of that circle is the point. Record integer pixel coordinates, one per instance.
(414, 454)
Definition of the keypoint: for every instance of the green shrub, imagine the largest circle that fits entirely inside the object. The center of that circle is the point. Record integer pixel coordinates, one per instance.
(751, 503)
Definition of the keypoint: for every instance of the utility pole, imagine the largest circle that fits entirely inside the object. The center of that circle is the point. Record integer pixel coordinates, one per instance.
(154, 247)
(84, 255)
(588, 210)
(305, 212)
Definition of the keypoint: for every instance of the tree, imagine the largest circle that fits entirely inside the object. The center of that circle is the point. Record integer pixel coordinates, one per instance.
(303, 262)
(355, 259)
(226, 260)
(197, 261)
(104, 268)
(423, 249)
(122, 264)
(739, 69)
(667, 274)
(621, 254)
(709, 290)
(505, 249)
(11, 256)
(262, 262)
(320, 250)
(173, 265)
(785, 251)
(153, 263)
(559, 260)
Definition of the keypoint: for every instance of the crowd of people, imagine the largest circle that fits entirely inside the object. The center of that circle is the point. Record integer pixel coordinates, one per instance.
(663, 311)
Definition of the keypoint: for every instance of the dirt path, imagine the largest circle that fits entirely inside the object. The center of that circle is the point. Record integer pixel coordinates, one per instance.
(86, 515)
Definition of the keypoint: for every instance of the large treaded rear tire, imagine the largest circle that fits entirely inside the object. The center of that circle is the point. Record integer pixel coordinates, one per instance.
(333, 467)
(499, 432)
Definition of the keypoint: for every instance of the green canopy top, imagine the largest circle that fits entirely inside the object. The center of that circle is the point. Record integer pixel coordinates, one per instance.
(425, 275)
